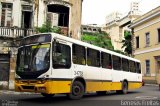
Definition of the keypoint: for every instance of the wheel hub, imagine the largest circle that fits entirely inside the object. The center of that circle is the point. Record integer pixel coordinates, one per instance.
(76, 90)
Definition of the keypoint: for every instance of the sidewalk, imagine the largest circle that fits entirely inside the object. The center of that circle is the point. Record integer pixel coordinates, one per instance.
(151, 85)
(15, 93)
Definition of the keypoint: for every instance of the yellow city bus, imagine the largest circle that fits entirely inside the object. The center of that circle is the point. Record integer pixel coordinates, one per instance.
(55, 64)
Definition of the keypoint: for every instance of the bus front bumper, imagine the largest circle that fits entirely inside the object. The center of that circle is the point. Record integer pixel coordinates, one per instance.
(49, 87)
(28, 87)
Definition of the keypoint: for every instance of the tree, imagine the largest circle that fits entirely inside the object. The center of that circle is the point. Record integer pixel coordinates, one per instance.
(127, 44)
(48, 28)
(101, 39)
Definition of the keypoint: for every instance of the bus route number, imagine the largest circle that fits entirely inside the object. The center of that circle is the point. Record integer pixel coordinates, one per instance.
(78, 73)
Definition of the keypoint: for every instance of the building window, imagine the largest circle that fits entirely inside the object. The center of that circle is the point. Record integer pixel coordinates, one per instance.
(147, 66)
(26, 18)
(85, 29)
(62, 15)
(6, 15)
(137, 42)
(159, 35)
(147, 39)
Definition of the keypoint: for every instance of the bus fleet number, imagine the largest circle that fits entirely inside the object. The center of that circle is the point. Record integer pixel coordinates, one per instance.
(78, 73)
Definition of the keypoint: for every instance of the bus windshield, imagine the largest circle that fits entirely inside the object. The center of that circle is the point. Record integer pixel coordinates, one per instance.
(33, 58)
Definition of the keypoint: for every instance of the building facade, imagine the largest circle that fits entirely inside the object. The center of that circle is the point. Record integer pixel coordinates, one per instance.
(146, 31)
(34, 13)
(112, 17)
(94, 28)
(19, 18)
(117, 24)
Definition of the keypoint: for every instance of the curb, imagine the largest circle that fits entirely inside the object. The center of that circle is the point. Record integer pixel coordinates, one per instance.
(13, 92)
(151, 85)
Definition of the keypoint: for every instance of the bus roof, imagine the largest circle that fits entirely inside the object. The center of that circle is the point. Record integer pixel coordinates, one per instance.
(75, 41)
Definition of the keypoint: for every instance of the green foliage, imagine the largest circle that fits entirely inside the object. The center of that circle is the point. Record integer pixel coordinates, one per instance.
(127, 44)
(98, 39)
(48, 28)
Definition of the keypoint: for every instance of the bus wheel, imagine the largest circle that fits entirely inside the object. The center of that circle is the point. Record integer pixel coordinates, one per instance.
(101, 92)
(47, 95)
(124, 88)
(77, 91)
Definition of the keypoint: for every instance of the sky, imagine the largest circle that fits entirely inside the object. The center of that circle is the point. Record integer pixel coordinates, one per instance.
(95, 11)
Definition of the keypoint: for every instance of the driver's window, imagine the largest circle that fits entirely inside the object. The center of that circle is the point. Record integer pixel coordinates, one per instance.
(61, 56)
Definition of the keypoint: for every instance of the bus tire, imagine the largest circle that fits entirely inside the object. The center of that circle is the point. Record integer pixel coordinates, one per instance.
(101, 92)
(124, 88)
(77, 90)
(47, 95)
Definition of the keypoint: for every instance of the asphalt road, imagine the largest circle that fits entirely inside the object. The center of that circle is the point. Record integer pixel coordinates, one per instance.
(145, 96)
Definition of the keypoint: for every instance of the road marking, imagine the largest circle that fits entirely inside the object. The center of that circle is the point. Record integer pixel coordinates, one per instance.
(146, 97)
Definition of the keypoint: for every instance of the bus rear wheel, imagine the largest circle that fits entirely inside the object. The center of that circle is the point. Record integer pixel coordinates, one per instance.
(124, 88)
(47, 95)
(77, 90)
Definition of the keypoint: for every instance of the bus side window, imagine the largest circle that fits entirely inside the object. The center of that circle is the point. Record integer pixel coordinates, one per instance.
(79, 54)
(116, 62)
(61, 56)
(138, 68)
(106, 60)
(125, 65)
(132, 66)
(93, 57)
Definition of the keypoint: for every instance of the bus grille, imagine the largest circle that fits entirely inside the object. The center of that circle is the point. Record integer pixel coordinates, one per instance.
(28, 87)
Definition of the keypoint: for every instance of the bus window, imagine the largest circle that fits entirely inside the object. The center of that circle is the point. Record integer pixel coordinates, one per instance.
(106, 60)
(132, 66)
(61, 56)
(116, 62)
(125, 65)
(93, 57)
(138, 67)
(79, 54)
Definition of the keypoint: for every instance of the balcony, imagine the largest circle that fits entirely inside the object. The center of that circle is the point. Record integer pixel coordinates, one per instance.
(14, 32)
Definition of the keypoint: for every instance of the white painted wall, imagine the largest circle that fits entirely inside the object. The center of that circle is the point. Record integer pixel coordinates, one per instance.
(16, 13)
(0, 11)
(41, 14)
